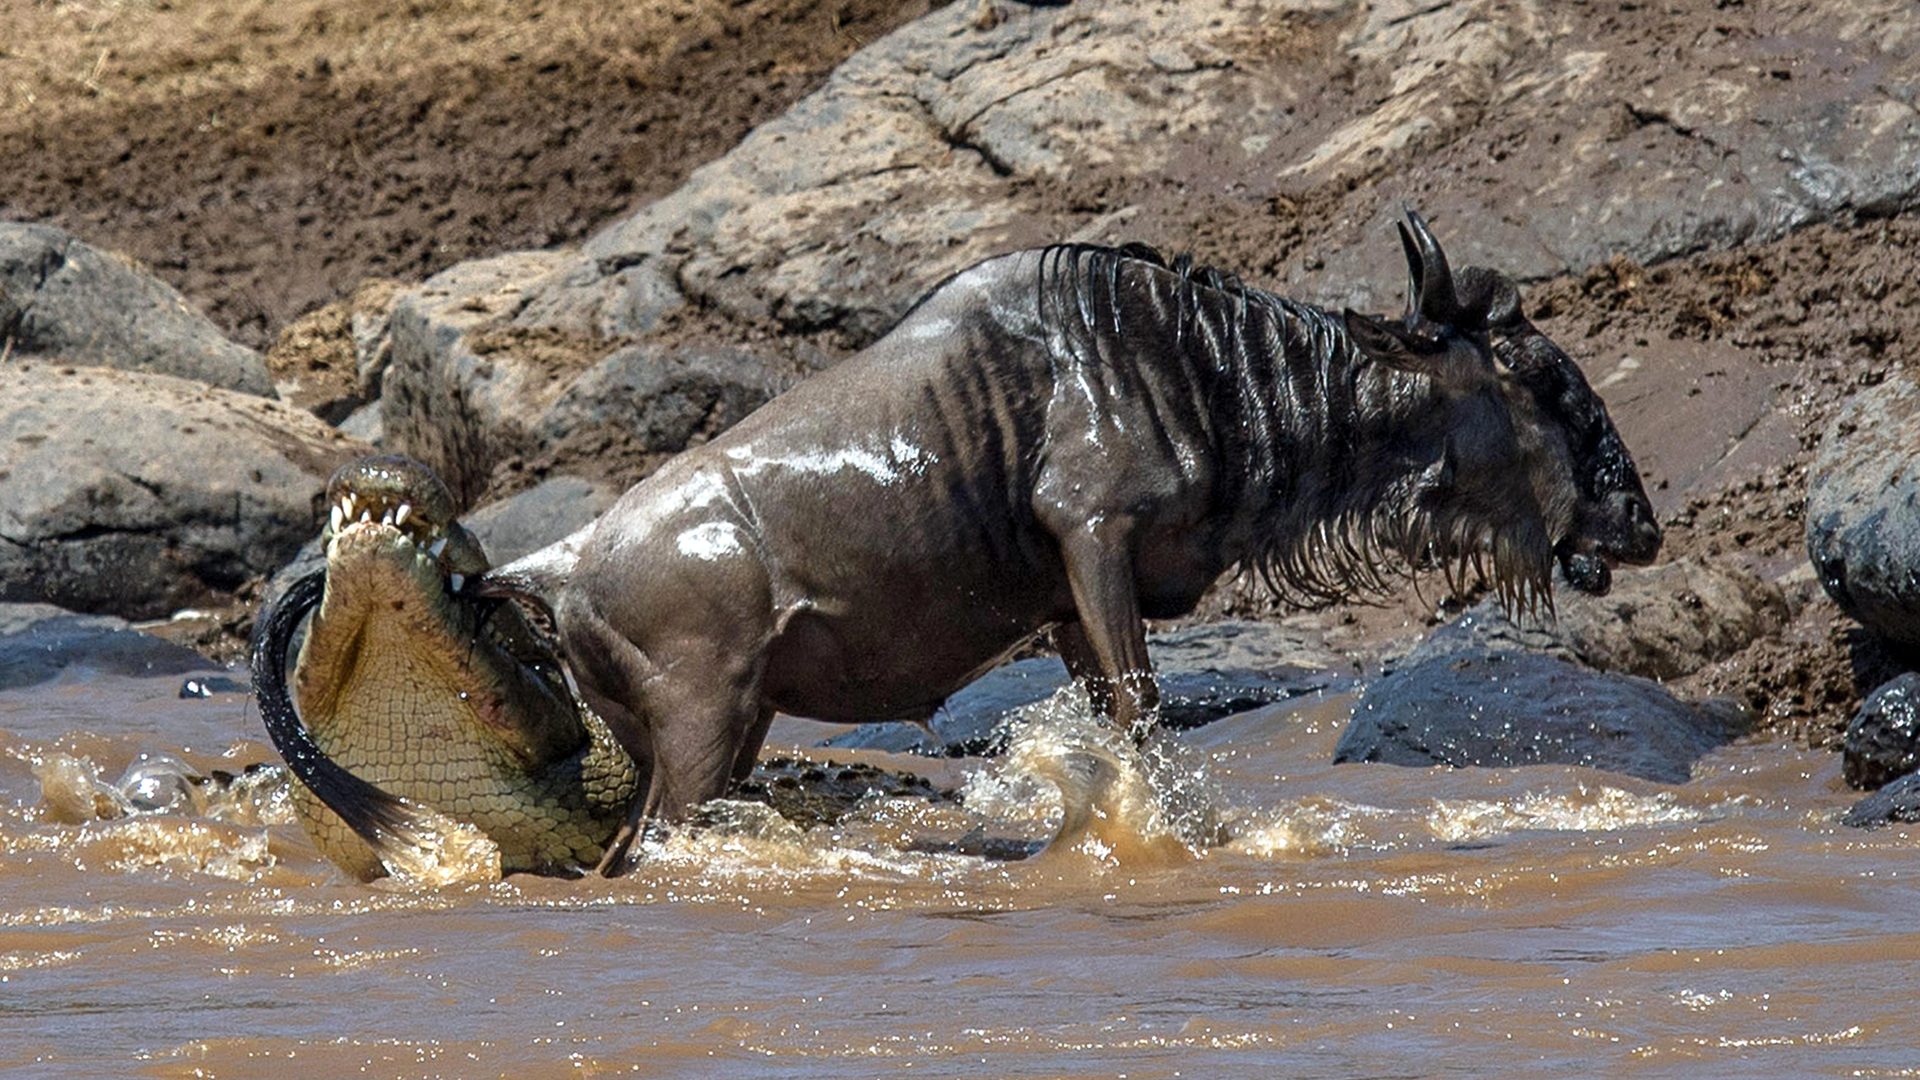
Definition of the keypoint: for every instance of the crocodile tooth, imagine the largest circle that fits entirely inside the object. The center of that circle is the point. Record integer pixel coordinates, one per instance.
(386, 518)
(434, 549)
(454, 581)
(366, 516)
(400, 516)
(335, 519)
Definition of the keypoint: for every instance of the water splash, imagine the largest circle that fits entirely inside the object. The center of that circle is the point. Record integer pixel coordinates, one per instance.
(164, 813)
(1585, 808)
(451, 853)
(174, 843)
(73, 792)
(1311, 828)
(1107, 800)
(738, 845)
(156, 817)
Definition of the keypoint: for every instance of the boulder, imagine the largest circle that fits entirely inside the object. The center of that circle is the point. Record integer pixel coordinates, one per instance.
(1863, 509)
(1501, 709)
(1658, 622)
(1882, 742)
(549, 511)
(330, 361)
(1205, 672)
(464, 392)
(65, 301)
(136, 494)
(39, 641)
(1898, 801)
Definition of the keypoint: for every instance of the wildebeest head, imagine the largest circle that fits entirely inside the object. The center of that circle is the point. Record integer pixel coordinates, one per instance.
(1531, 468)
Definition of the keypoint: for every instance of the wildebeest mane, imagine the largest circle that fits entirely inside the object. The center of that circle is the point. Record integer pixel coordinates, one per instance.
(1334, 504)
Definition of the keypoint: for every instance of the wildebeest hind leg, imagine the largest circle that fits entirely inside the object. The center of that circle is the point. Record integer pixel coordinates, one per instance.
(749, 752)
(696, 742)
(706, 716)
(1100, 572)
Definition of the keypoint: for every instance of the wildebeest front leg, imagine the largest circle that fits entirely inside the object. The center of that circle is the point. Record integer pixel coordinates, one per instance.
(1083, 666)
(1107, 647)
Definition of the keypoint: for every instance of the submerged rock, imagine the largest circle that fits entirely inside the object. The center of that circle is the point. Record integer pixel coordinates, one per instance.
(39, 641)
(65, 301)
(1206, 673)
(1863, 509)
(1882, 742)
(1472, 706)
(1898, 801)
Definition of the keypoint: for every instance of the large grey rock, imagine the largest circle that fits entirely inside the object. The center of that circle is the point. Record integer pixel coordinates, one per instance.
(1658, 622)
(466, 388)
(39, 641)
(138, 494)
(1863, 509)
(1293, 129)
(63, 300)
(544, 513)
(1500, 709)
(1882, 742)
(1205, 673)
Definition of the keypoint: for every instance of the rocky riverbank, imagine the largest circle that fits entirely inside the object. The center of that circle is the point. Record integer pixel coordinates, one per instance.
(1717, 216)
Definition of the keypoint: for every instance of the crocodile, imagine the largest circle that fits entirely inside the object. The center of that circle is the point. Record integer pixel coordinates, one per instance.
(417, 693)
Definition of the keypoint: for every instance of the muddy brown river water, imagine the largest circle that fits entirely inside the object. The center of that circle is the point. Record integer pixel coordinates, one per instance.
(1354, 920)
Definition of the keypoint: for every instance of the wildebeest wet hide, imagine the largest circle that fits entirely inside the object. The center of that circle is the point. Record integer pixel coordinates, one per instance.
(1071, 440)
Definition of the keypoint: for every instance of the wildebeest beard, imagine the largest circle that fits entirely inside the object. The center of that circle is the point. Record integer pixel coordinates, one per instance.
(1338, 478)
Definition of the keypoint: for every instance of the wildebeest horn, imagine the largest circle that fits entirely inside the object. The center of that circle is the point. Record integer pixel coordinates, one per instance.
(1434, 280)
(1414, 273)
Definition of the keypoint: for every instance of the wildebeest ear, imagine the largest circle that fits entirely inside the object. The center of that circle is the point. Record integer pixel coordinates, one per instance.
(1490, 297)
(1395, 346)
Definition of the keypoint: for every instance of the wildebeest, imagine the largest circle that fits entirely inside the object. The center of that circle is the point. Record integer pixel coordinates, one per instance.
(1074, 439)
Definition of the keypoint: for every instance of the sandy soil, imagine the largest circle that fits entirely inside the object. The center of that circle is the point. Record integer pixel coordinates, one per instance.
(266, 156)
